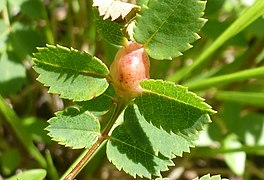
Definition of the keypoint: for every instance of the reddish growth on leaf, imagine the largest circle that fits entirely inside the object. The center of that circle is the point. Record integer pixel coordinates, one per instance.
(130, 66)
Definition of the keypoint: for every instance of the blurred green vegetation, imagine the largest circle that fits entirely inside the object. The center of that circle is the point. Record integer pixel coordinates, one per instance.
(233, 145)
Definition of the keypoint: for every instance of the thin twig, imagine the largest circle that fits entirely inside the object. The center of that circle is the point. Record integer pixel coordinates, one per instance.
(84, 160)
(114, 112)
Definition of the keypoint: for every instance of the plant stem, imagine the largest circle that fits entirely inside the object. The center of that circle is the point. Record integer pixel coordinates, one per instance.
(114, 112)
(52, 172)
(249, 16)
(207, 152)
(24, 137)
(225, 79)
(70, 24)
(121, 105)
(6, 16)
(85, 157)
(48, 30)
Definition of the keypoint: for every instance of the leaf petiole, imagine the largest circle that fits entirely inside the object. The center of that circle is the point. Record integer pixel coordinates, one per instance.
(120, 106)
(115, 110)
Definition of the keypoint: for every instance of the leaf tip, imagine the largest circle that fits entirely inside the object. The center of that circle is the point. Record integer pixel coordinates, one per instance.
(50, 46)
(212, 112)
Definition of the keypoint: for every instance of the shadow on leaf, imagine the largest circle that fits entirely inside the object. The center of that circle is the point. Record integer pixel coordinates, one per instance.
(171, 115)
(134, 156)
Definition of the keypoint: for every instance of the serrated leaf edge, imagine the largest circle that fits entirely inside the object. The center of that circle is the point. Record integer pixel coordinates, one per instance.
(210, 110)
(179, 53)
(62, 142)
(136, 174)
(209, 176)
(50, 88)
(173, 155)
(197, 126)
(59, 141)
(71, 50)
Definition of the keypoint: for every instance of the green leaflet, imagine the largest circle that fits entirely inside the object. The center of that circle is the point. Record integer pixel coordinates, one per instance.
(141, 2)
(12, 74)
(126, 154)
(251, 126)
(250, 129)
(100, 105)
(208, 177)
(137, 146)
(2, 5)
(74, 128)
(110, 30)
(4, 33)
(10, 161)
(21, 33)
(70, 73)
(172, 107)
(166, 27)
(38, 174)
(147, 134)
(235, 161)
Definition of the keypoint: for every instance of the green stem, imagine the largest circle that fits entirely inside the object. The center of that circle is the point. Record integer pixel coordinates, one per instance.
(249, 16)
(247, 98)
(207, 152)
(70, 24)
(52, 172)
(114, 112)
(119, 109)
(52, 22)
(48, 30)
(23, 136)
(83, 22)
(6, 16)
(83, 159)
(225, 79)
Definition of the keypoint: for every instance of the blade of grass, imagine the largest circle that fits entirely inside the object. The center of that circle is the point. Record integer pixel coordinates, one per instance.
(248, 98)
(19, 130)
(225, 79)
(77, 161)
(52, 172)
(115, 110)
(208, 152)
(246, 18)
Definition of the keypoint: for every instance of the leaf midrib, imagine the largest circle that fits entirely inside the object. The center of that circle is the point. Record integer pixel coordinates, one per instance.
(118, 140)
(75, 129)
(171, 98)
(162, 24)
(89, 73)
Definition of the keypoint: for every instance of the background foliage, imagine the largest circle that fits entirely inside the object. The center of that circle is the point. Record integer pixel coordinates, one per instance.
(230, 79)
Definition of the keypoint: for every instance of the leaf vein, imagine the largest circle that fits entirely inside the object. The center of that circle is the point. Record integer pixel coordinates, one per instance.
(76, 129)
(162, 24)
(71, 69)
(170, 98)
(135, 147)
